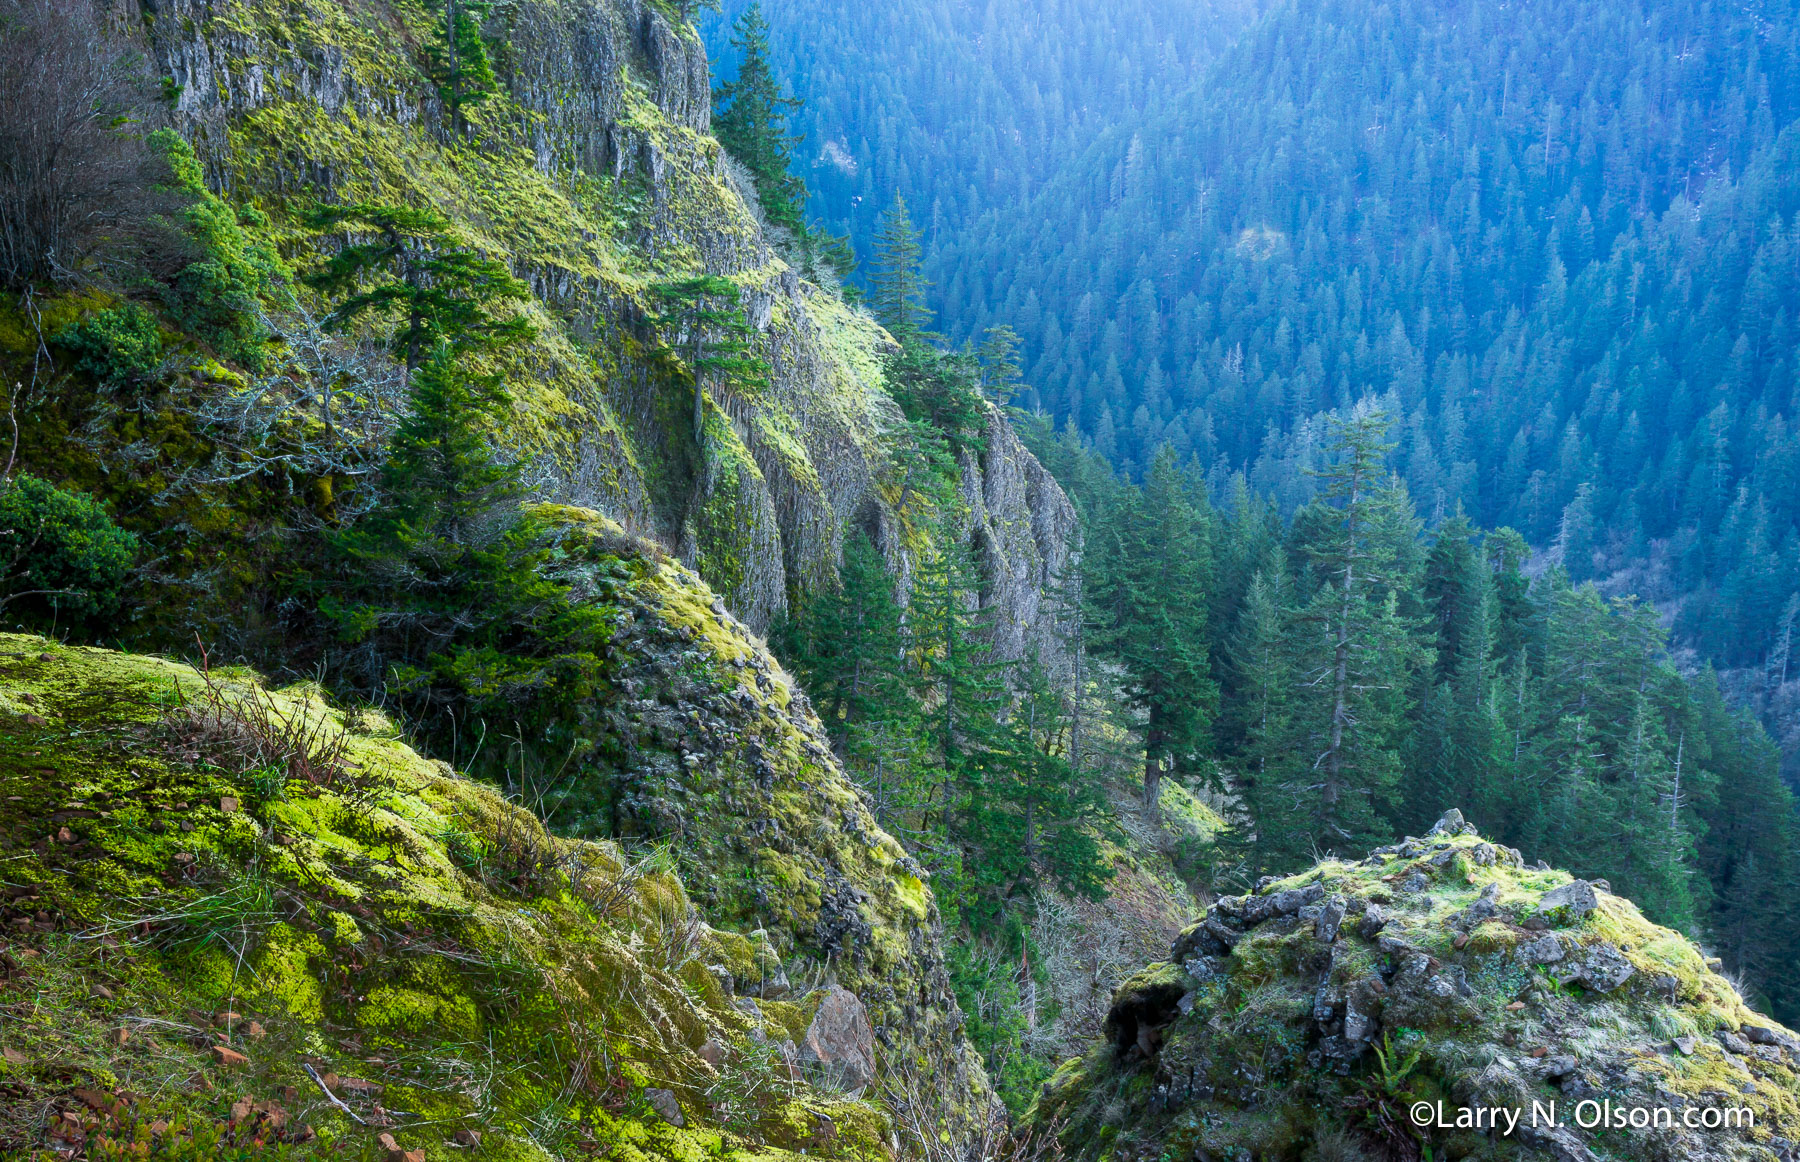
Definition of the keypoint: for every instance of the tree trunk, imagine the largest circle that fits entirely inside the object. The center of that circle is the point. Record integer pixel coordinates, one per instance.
(1153, 768)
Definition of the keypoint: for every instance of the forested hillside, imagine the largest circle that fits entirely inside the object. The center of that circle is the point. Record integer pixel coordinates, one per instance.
(963, 109)
(1559, 241)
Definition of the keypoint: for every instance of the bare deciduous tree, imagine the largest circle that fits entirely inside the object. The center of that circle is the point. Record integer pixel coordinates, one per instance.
(68, 161)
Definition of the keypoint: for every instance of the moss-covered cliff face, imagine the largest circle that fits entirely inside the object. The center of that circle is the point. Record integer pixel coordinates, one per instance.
(241, 914)
(1310, 1019)
(592, 173)
(714, 750)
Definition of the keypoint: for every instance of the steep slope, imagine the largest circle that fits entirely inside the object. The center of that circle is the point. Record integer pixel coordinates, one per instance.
(247, 914)
(592, 173)
(966, 109)
(202, 844)
(1311, 1018)
(1571, 277)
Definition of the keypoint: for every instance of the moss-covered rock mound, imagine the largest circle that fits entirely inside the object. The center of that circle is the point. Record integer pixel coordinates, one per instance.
(242, 923)
(713, 749)
(1439, 999)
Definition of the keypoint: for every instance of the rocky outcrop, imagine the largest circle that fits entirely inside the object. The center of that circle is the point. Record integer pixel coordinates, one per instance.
(712, 749)
(1025, 533)
(1395, 1007)
(593, 173)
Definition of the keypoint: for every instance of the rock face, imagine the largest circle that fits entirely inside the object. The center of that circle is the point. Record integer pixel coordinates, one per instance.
(592, 174)
(1456, 976)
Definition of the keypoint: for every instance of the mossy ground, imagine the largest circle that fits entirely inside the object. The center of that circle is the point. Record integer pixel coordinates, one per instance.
(438, 958)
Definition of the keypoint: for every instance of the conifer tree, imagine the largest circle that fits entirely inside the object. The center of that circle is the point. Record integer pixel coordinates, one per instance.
(700, 320)
(417, 280)
(1035, 818)
(897, 287)
(939, 389)
(457, 63)
(998, 358)
(1262, 669)
(447, 555)
(1366, 651)
(848, 645)
(751, 118)
(1148, 594)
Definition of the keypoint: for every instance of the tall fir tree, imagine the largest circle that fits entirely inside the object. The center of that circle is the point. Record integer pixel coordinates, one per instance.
(1148, 595)
(897, 288)
(751, 120)
(701, 320)
(1364, 651)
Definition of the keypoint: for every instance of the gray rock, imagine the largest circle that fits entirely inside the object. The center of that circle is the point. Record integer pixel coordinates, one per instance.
(1567, 904)
(1450, 823)
(1331, 918)
(1482, 909)
(1606, 968)
(1415, 883)
(1374, 919)
(841, 1041)
(1685, 1044)
(1395, 946)
(1217, 933)
(1734, 1043)
(1362, 1009)
(1293, 899)
(1759, 1035)
(666, 1107)
(1561, 1065)
(1546, 949)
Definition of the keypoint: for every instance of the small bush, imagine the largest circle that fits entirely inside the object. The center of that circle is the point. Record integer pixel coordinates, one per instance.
(116, 345)
(225, 272)
(61, 556)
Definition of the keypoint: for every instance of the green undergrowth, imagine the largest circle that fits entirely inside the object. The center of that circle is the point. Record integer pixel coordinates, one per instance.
(214, 892)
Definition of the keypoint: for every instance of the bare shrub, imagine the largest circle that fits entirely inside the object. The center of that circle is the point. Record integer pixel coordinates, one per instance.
(1084, 952)
(67, 166)
(918, 1115)
(251, 731)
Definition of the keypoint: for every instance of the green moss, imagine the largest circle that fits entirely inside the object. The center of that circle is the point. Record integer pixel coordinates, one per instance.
(336, 920)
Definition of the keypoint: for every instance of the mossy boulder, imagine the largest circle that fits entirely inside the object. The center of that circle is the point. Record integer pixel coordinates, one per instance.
(1308, 1020)
(235, 915)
